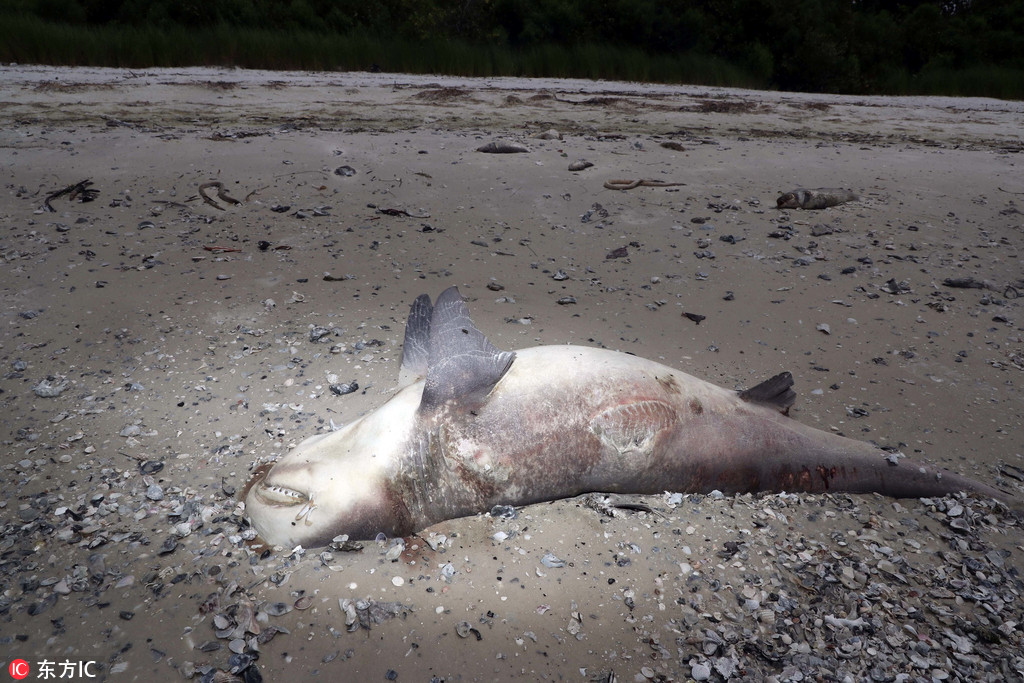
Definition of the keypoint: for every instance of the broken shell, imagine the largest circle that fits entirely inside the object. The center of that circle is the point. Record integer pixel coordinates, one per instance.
(395, 551)
(150, 467)
(552, 561)
(349, 608)
(51, 387)
(319, 333)
(342, 389)
(276, 609)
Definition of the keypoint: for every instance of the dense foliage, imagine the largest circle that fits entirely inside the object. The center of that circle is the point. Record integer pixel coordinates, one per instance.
(818, 45)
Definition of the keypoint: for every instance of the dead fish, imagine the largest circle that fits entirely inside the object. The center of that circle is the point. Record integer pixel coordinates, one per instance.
(821, 198)
(482, 427)
(503, 147)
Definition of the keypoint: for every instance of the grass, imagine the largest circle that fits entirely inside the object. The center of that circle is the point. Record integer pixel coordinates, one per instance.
(979, 81)
(29, 40)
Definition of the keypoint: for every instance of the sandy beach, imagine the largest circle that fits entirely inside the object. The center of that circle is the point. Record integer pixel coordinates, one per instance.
(156, 348)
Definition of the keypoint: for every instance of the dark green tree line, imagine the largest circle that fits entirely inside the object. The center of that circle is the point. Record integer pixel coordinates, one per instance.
(820, 45)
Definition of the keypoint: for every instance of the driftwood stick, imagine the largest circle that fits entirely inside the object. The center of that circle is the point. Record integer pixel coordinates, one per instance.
(619, 184)
(222, 194)
(79, 190)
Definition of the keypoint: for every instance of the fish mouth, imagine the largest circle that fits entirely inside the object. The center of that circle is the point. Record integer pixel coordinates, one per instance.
(279, 496)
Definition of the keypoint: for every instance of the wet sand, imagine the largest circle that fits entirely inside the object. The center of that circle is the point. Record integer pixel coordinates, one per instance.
(177, 331)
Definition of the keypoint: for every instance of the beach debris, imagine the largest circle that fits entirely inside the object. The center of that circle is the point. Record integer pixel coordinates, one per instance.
(575, 624)
(1010, 292)
(783, 232)
(343, 544)
(609, 504)
(504, 512)
(345, 171)
(549, 134)
(316, 211)
(400, 212)
(222, 194)
(673, 145)
(821, 198)
(80, 191)
(150, 466)
(464, 629)
(443, 94)
(894, 286)
(695, 317)
(318, 333)
(345, 388)
(619, 184)
(503, 147)
(51, 387)
(264, 245)
(367, 613)
(619, 252)
(968, 283)
(552, 561)
(595, 210)
(580, 165)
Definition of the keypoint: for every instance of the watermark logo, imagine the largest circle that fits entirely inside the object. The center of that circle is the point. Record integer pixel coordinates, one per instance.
(47, 669)
(19, 669)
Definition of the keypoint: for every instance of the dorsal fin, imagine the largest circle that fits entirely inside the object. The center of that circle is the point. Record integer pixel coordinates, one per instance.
(776, 392)
(416, 347)
(462, 364)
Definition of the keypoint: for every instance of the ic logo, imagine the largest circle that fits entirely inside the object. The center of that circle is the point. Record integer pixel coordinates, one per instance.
(19, 669)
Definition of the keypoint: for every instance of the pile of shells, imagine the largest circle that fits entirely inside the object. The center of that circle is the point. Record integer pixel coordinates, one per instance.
(856, 609)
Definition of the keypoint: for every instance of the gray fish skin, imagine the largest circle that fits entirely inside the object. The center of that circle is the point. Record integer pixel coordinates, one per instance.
(554, 422)
(503, 147)
(821, 198)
